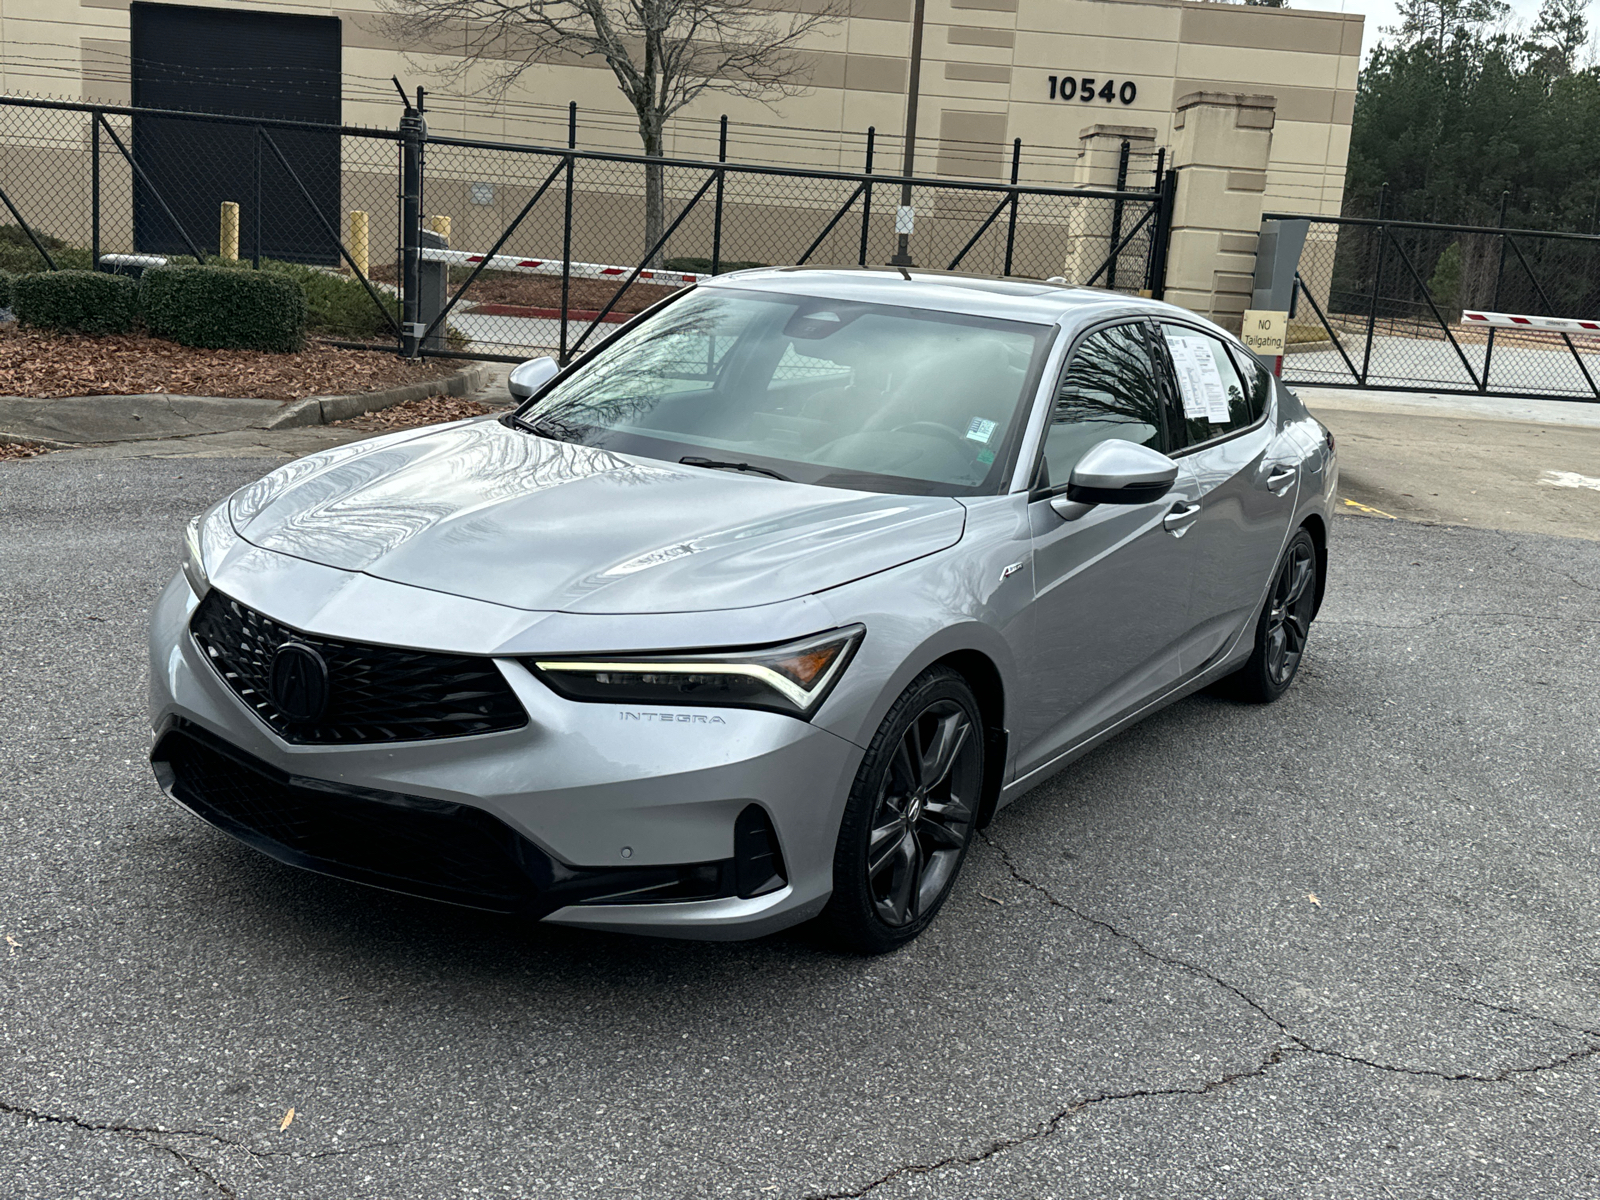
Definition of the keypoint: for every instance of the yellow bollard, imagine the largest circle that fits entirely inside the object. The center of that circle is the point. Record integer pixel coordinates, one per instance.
(228, 236)
(440, 224)
(358, 240)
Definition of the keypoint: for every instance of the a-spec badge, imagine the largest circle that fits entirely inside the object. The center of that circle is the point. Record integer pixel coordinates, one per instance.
(298, 684)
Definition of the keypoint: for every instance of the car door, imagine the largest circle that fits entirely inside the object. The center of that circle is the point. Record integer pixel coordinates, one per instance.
(1246, 474)
(1111, 588)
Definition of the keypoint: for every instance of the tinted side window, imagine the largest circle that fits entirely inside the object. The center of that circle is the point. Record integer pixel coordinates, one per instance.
(1109, 390)
(1215, 400)
(1257, 383)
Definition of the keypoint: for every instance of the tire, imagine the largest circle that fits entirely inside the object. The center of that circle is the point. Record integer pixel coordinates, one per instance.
(909, 819)
(1282, 628)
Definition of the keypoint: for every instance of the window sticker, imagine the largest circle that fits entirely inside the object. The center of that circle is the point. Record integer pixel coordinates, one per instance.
(1189, 385)
(981, 430)
(1199, 378)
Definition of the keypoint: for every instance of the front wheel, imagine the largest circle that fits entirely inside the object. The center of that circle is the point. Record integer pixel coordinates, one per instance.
(910, 817)
(1284, 625)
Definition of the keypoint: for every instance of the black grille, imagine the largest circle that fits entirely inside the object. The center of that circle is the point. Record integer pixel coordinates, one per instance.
(409, 843)
(375, 693)
(414, 844)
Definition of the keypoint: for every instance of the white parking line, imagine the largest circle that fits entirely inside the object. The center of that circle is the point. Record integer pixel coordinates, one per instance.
(1570, 479)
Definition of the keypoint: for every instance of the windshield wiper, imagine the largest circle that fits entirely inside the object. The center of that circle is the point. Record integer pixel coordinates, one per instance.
(694, 460)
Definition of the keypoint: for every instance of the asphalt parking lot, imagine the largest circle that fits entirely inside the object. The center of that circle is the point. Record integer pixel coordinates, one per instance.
(1345, 946)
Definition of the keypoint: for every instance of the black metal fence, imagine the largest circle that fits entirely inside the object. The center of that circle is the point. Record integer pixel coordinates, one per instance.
(431, 244)
(1379, 303)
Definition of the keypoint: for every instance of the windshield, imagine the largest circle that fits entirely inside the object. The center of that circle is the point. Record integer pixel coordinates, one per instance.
(844, 394)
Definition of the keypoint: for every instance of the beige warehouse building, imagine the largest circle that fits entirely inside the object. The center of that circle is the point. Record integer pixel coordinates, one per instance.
(994, 71)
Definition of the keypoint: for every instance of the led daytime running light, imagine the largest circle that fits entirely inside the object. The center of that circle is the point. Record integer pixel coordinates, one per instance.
(799, 673)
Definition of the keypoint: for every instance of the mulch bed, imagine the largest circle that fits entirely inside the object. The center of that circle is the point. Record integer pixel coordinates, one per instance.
(544, 291)
(434, 410)
(46, 365)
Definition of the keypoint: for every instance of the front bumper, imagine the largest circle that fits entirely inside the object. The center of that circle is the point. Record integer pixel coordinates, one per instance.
(565, 819)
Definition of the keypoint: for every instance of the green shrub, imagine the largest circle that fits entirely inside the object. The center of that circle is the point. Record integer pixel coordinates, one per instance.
(6, 279)
(702, 266)
(23, 259)
(75, 301)
(220, 308)
(337, 305)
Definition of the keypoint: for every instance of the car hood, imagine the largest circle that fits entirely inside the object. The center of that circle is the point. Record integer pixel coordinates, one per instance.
(491, 513)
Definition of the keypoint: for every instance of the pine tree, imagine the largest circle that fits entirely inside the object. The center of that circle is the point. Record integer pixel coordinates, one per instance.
(1559, 36)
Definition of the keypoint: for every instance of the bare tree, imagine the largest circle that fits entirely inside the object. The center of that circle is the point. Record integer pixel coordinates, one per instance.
(663, 53)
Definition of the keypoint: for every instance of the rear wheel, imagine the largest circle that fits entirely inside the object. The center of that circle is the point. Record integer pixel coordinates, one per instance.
(909, 818)
(1283, 627)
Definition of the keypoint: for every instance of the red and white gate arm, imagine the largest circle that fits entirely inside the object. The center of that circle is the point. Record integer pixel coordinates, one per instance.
(1517, 321)
(548, 266)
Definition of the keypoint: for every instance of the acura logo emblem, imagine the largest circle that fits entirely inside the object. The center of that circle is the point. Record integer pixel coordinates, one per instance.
(299, 683)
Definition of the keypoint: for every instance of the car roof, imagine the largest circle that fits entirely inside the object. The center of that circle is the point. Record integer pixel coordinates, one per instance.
(1036, 301)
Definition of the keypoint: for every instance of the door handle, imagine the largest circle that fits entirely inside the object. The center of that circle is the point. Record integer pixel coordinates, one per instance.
(1280, 477)
(1181, 517)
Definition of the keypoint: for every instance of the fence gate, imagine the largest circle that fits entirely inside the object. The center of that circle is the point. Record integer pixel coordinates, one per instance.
(500, 250)
(1379, 304)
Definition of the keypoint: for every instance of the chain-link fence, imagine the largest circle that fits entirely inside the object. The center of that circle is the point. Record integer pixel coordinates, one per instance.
(1379, 304)
(454, 246)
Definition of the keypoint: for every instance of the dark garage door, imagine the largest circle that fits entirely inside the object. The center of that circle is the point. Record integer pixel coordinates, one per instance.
(252, 64)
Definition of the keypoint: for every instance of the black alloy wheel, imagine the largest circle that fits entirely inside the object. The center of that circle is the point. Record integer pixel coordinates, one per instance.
(910, 817)
(1289, 611)
(1283, 628)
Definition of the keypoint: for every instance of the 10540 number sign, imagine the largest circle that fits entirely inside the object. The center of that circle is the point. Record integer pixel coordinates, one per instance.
(1083, 88)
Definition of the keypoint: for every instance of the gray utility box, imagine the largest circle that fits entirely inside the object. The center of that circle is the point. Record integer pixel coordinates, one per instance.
(1277, 259)
(433, 290)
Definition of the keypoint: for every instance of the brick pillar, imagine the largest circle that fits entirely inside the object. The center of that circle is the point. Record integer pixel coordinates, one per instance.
(1221, 143)
(1089, 221)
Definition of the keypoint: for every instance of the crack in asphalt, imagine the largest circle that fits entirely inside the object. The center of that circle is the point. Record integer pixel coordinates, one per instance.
(1513, 547)
(1517, 1012)
(1052, 1125)
(143, 1134)
(146, 1135)
(1300, 1043)
(1296, 1045)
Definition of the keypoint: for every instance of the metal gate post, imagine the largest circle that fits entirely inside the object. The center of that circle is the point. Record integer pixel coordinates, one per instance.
(1011, 219)
(412, 130)
(1500, 274)
(255, 203)
(566, 227)
(866, 193)
(716, 221)
(1377, 279)
(1162, 237)
(94, 185)
(1116, 213)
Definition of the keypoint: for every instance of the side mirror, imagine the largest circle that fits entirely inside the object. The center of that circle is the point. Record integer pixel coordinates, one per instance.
(1116, 472)
(527, 378)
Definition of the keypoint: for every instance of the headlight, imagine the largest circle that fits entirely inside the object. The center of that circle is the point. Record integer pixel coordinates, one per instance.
(206, 540)
(793, 678)
(194, 559)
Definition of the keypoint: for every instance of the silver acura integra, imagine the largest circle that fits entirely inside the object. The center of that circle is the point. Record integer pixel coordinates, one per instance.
(753, 614)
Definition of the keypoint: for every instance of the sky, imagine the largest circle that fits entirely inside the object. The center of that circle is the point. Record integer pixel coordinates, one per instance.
(1381, 13)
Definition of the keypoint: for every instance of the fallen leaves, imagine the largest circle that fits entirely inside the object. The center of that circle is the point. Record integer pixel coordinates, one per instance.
(38, 363)
(433, 410)
(22, 450)
(13, 943)
(287, 1118)
(1312, 896)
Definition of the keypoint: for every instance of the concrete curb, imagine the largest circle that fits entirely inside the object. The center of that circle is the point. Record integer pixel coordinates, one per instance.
(69, 421)
(324, 410)
(16, 439)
